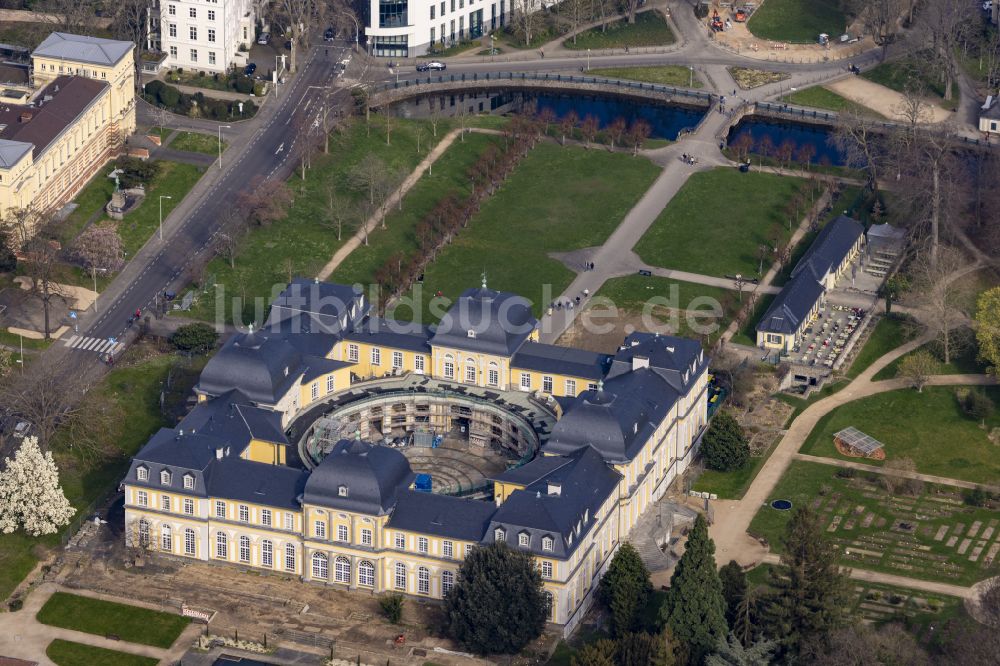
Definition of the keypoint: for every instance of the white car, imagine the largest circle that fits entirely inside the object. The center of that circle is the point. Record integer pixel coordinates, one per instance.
(264, 38)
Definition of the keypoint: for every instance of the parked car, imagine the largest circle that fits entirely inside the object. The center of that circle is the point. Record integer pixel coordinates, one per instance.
(432, 66)
(250, 69)
(328, 35)
(264, 38)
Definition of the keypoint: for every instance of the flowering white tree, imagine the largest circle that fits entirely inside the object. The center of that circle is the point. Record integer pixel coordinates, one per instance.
(30, 495)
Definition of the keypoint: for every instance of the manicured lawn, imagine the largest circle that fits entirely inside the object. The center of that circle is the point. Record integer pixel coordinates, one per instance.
(928, 427)
(91, 200)
(450, 175)
(914, 552)
(799, 21)
(666, 75)
(821, 98)
(888, 334)
(175, 180)
(718, 220)
(135, 391)
(898, 74)
(15, 341)
(67, 653)
(732, 485)
(302, 243)
(96, 616)
(195, 142)
(558, 199)
(649, 29)
(964, 363)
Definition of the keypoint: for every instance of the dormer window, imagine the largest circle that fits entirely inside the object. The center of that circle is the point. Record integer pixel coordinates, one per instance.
(165, 477)
(286, 370)
(188, 481)
(523, 539)
(471, 333)
(547, 543)
(142, 473)
(499, 535)
(586, 516)
(342, 491)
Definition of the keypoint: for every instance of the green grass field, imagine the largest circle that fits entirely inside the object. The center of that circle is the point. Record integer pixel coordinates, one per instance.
(450, 175)
(747, 333)
(732, 485)
(175, 180)
(963, 363)
(666, 75)
(799, 21)
(915, 554)
(900, 74)
(136, 392)
(195, 142)
(917, 426)
(568, 189)
(717, 222)
(68, 653)
(96, 616)
(821, 98)
(649, 29)
(888, 334)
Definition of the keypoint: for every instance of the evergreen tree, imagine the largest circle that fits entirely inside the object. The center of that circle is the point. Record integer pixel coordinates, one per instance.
(730, 652)
(644, 649)
(8, 260)
(811, 595)
(498, 604)
(734, 588)
(599, 653)
(746, 623)
(725, 446)
(695, 610)
(624, 589)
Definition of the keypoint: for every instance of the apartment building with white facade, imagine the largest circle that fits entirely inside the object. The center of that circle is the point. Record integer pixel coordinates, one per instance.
(407, 28)
(204, 35)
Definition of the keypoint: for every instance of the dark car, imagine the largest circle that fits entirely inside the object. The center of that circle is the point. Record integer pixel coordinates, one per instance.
(328, 35)
(250, 69)
(432, 66)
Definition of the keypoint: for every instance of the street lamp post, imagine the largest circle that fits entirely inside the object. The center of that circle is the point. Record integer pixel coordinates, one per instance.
(162, 197)
(691, 81)
(493, 49)
(221, 127)
(588, 60)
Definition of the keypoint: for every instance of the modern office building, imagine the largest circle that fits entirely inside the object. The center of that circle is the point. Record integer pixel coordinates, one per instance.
(286, 462)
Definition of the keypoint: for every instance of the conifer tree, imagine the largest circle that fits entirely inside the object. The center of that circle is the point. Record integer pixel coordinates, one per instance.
(624, 589)
(695, 610)
(811, 594)
(730, 652)
(734, 588)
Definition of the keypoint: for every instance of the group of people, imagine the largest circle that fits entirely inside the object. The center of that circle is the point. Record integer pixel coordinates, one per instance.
(689, 159)
(569, 304)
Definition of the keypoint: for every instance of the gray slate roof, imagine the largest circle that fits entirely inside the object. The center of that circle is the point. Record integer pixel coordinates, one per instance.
(373, 475)
(585, 482)
(391, 333)
(233, 417)
(561, 360)
(831, 247)
(670, 357)
(500, 322)
(11, 152)
(309, 306)
(82, 48)
(441, 515)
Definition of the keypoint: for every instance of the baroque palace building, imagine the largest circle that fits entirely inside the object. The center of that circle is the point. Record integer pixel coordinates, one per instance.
(247, 479)
(72, 117)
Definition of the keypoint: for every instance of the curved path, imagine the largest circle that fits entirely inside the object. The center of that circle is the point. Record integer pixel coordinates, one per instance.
(732, 517)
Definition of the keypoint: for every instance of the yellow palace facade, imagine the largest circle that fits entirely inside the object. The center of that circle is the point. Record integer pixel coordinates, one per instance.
(228, 485)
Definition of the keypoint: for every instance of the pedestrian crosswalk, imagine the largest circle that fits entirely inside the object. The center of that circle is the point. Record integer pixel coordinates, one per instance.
(97, 345)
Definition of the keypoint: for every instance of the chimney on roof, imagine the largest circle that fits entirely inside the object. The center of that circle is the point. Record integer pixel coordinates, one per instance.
(554, 489)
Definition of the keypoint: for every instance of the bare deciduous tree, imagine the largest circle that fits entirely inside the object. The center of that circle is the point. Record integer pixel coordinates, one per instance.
(935, 290)
(861, 141)
(129, 21)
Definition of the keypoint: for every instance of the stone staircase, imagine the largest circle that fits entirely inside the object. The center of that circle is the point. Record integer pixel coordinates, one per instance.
(657, 526)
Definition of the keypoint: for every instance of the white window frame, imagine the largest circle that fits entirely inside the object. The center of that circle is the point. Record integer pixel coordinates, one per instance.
(320, 566)
(142, 473)
(447, 582)
(366, 537)
(493, 377)
(376, 356)
(165, 502)
(400, 541)
(499, 535)
(423, 580)
(547, 544)
(470, 373)
(523, 540)
(166, 539)
(267, 553)
(525, 381)
(399, 577)
(165, 477)
(546, 570)
(319, 529)
(188, 482)
(418, 364)
(190, 542)
(342, 534)
(353, 353)
(547, 384)
(366, 573)
(448, 549)
(342, 570)
(266, 517)
(570, 387)
(423, 545)
(397, 360)
(141, 498)
(289, 521)
(244, 513)
(244, 547)
(329, 384)
(189, 506)
(221, 546)
(289, 557)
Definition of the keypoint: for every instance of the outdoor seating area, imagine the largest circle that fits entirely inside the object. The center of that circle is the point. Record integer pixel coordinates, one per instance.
(825, 338)
(852, 442)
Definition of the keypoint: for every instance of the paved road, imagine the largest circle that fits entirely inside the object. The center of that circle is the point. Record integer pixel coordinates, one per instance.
(263, 150)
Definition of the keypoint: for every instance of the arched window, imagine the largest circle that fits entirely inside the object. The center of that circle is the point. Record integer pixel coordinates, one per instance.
(244, 549)
(493, 374)
(189, 542)
(221, 545)
(166, 539)
(400, 576)
(320, 566)
(447, 582)
(289, 557)
(423, 580)
(266, 553)
(499, 535)
(342, 570)
(366, 573)
(449, 367)
(143, 533)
